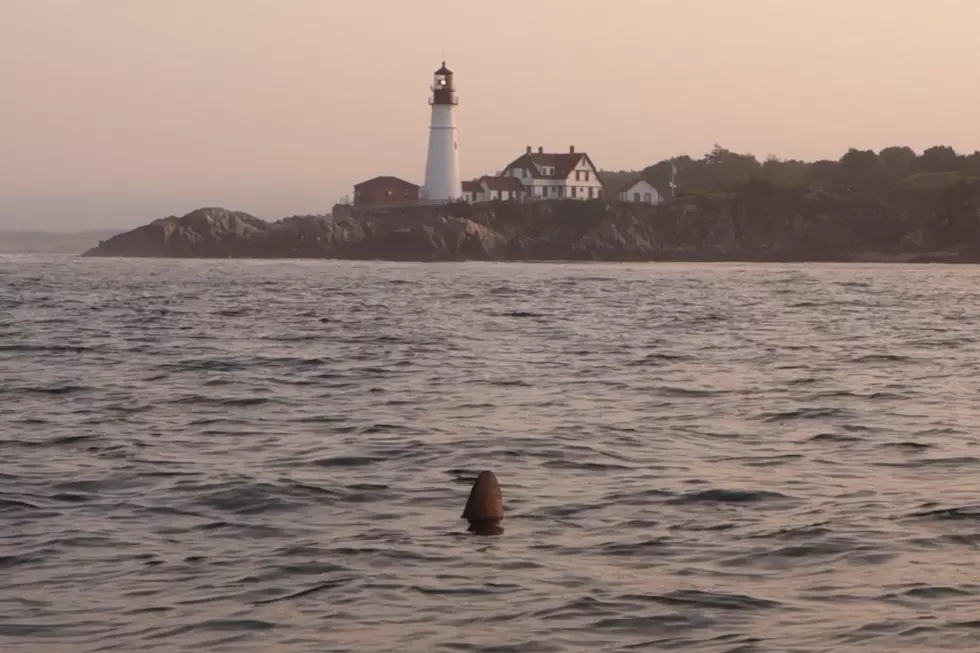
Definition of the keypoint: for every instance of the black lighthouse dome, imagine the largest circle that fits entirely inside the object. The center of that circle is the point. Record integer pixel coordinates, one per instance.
(443, 89)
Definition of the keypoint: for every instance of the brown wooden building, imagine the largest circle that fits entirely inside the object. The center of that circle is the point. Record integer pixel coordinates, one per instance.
(385, 191)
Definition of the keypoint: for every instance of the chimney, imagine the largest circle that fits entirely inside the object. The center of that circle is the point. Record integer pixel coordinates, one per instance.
(571, 149)
(540, 150)
(528, 149)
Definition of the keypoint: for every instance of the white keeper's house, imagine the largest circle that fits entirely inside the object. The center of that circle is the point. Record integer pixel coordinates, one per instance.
(541, 175)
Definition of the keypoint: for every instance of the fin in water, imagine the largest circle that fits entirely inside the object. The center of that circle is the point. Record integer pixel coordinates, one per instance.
(485, 507)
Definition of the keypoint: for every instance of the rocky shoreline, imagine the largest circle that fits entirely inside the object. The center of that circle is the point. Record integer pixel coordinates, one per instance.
(756, 222)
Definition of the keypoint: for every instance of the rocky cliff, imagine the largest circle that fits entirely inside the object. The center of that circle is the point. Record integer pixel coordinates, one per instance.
(757, 222)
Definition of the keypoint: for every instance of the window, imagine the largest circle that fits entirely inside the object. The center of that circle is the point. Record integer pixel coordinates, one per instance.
(586, 175)
(636, 197)
(647, 198)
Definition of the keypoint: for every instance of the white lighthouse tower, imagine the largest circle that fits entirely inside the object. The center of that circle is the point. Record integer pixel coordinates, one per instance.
(442, 183)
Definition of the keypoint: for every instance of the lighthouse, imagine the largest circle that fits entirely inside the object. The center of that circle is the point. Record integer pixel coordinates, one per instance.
(442, 183)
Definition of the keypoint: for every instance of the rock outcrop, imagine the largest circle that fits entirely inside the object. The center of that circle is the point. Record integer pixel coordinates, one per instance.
(757, 222)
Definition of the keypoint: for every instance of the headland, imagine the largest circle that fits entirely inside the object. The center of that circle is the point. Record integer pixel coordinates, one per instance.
(754, 221)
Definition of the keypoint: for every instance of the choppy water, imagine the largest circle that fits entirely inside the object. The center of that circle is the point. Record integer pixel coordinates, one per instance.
(273, 456)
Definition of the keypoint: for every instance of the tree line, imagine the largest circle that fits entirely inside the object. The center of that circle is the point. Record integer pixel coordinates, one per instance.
(857, 172)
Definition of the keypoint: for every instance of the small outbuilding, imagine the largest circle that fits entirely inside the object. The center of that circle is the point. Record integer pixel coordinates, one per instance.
(640, 191)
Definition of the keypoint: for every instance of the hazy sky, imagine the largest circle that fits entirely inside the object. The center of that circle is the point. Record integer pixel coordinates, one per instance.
(116, 112)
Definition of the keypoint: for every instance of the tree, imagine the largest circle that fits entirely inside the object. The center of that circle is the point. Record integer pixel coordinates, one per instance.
(857, 171)
(940, 158)
(860, 170)
(787, 174)
(719, 170)
(971, 164)
(898, 160)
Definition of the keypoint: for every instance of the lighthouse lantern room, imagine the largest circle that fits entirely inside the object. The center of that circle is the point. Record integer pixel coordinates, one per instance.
(442, 182)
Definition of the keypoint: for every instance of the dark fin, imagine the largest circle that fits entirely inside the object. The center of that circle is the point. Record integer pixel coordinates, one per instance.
(485, 504)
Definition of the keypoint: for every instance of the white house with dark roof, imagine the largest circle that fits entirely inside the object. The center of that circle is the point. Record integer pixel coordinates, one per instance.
(639, 191)
(472, 191)
(487, 188)
(547, 175)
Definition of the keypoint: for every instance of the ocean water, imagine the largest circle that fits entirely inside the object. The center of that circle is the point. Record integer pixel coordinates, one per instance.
(273, 456)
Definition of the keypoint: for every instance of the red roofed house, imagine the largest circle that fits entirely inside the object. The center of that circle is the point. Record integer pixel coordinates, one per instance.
(570, 175)
(385, 191)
